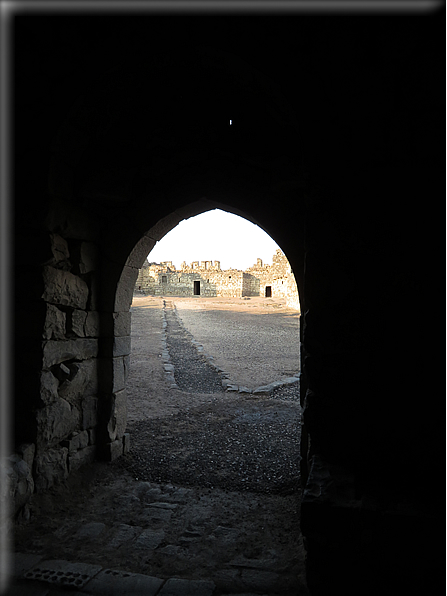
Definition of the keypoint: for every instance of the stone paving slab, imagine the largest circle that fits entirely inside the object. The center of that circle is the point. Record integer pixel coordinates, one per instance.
(150, 539)
(259, 580)
(23, 562)
(62, 578)
(123, 533)
(111, 582)
(184, 587)
(31, 589)
(90, 531)
(63, 573)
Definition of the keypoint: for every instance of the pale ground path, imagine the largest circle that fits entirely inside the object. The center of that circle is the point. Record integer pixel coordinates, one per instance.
(255, 350)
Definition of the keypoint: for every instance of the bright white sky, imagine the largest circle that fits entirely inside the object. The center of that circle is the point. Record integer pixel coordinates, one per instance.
(215, 236)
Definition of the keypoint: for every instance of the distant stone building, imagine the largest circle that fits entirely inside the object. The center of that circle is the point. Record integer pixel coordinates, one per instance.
(206, 278)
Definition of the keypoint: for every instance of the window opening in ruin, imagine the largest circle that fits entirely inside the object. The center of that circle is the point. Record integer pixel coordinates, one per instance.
(268, 291)
(164, 279)
(197, 288)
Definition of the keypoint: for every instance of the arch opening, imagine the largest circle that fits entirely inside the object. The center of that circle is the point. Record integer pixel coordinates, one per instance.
(174, 456)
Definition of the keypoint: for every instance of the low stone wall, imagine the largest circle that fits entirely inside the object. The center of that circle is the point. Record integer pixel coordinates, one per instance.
(164, 280)
(56, 396)
(181, 283)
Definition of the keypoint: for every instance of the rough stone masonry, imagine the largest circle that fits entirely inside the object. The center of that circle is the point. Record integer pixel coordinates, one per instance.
(206, 278)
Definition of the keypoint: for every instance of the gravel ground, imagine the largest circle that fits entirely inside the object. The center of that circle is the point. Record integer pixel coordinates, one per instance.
(248, 444)
(287, 393)
(256, 341)
(192, 371)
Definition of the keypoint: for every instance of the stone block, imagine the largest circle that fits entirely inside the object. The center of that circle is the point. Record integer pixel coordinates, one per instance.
(61, 372)
(120, 412)
(89, 409)
(126, 443)
(64, 574)
(88, 257)
(115, 346)
(123, 533)
(227, 580)
(82, 383)
(92, 436)
(81, 457)
(142, 248)
(55, 323)
(59, 249)
(91, 327)
(48, 387)
(50, 467)
(19, 483)
(55, 352)
(124, 294)
(116, 324)
(9, 480)
(78, 319)
(56, 421)
(258, 580)
(95, 290)
(27, 451)
(117, 408)
(126, 362)
(113, 450)
(150, 539)
(121, 346)
(116, 583)
(111, 374)
(90, 531)
(122, 323)
(187, 587)
(78, 440)
(62, 287)
(23, 562)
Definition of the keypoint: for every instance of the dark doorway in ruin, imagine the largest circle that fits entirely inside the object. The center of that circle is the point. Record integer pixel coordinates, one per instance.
(197, 288)
(268, 291)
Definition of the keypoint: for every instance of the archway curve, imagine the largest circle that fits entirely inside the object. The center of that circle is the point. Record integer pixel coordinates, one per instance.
(116, 347)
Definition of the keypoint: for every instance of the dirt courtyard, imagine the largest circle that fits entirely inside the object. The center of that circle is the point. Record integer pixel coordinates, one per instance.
(256, 341)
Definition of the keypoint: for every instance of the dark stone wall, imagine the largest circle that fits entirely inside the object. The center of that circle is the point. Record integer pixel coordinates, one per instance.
(121, 130)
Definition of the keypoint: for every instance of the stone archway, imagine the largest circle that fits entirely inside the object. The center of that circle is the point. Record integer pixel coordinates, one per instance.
(116, 348)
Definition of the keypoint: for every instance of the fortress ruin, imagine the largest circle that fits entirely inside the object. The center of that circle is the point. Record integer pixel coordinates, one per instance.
(206, 278)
